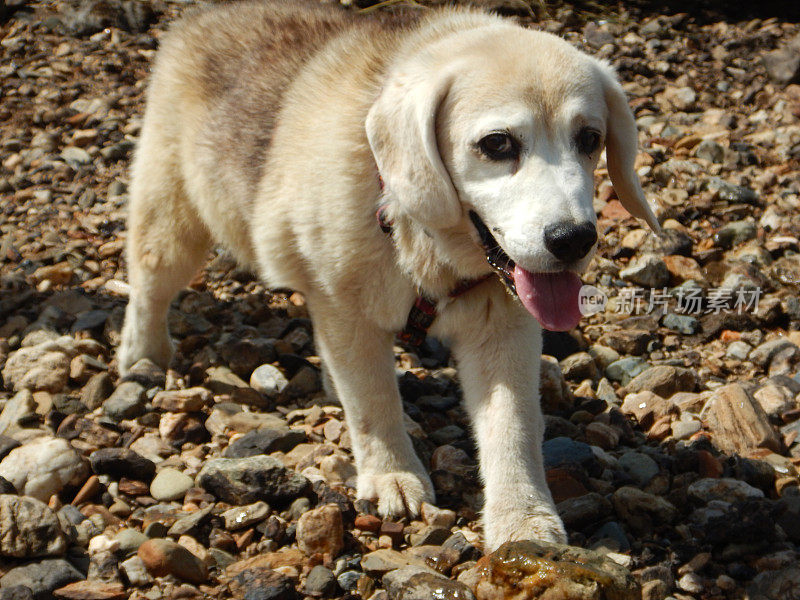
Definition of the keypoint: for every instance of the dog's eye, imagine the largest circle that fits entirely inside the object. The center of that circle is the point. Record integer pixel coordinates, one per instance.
(499, 146)
(588, 141)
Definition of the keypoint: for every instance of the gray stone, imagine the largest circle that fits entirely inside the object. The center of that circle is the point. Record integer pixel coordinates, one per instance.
(625, 369)
(170, 484)
(725, 489)
(782, 584)
(129, 541)
(710, 150)
(564, 452)
(247, 480)
(264, 441)
(126, 402)
(42, 577)
(641, 510)
(320, 582)
(29, 528)
(241, 517)
(783, 64)
(649, 271)
(640, 467)
(685, 324)
(764, 353)
(188, 523)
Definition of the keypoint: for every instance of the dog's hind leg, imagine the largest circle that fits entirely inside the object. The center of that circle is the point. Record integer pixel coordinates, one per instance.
(166, 245)
(360, 362)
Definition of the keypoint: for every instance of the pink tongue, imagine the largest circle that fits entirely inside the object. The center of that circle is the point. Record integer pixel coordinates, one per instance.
(550, 297)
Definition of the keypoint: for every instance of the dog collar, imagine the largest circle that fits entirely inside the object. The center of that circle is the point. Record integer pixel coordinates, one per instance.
(423, 311)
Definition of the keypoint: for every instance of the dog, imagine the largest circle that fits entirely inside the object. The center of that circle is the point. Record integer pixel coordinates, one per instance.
(277, 129)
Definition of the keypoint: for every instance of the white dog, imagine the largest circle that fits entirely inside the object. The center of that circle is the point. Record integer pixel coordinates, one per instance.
(277, 129)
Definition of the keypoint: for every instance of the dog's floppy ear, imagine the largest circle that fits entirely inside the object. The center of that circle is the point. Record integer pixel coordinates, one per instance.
(401, 129)
(621, 147)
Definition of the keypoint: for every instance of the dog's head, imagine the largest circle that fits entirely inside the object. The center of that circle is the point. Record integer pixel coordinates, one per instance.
(499, 129)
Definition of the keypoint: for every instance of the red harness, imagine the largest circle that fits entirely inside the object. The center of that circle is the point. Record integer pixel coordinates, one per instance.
(423, 312)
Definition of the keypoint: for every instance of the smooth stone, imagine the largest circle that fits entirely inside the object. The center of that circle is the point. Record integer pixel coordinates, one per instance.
(320, 582)
(640, 467)
(725, 489)
(165, 557)
(241, 517)
(170, 484)
(129, 540)
(264, 441)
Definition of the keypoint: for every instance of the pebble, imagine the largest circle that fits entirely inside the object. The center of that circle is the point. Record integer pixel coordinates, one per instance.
(564, 452)
(126, 402)
(43, 367)
(264, 441)
(320, 582)
(268, 380)
(640, 467)
(241, 517)
(625, 369)
(649, 272)
(164, 557)
(170, 484)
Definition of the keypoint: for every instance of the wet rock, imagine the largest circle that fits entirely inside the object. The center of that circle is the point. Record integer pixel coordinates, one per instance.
(533, 570)
(29, 528)
(122, 462)
(43, 467)
(247, 480)
(408, 584)
(165, 557)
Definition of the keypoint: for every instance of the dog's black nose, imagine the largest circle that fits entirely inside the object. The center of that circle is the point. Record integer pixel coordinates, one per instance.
(570, 241)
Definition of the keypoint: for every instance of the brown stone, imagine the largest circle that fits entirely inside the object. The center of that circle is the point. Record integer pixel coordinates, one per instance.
(563, 485)
(664, 380)
(321, 531)
(369, 523)
(393, 530)
(627, 341)
(92, 590)
(165, 557)
(737, 422)
(647, 407)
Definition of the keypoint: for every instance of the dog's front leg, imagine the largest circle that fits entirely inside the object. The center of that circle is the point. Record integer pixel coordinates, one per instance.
(360, 361)
(499, 372)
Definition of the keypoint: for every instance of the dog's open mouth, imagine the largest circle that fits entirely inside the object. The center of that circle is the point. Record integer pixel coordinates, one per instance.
(552, 298)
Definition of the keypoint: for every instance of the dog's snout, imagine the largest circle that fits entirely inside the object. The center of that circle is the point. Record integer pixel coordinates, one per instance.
(569, 241)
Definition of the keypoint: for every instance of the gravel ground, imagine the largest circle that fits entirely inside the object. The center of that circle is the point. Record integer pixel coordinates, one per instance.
(673, 415)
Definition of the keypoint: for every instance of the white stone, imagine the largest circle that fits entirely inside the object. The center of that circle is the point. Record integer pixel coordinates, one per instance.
(43, 467)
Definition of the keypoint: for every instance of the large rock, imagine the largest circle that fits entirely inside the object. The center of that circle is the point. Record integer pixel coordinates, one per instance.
(43, 467)
(738, 423)
(42, 367)
(29, 528)
(247, 480)
(529, 570)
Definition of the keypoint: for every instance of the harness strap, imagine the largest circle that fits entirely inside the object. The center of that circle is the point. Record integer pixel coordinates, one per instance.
(423, 311)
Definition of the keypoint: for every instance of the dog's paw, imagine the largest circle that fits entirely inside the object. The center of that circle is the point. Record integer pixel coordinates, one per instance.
(541, 525)
(398, 494)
